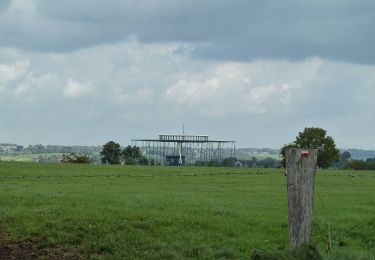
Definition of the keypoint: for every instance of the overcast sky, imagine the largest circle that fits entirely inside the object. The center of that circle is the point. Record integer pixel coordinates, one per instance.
(258, 72)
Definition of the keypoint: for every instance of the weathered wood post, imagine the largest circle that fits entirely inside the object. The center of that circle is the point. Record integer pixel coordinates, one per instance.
(301, 166)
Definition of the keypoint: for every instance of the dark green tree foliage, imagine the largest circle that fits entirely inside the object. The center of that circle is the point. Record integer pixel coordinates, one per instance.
(345, 156)
(314, 137)
(75, 158)
(360, 165)
(229, 162)
(110, 153)
(133, 152)
(132, 155)
(267, 163)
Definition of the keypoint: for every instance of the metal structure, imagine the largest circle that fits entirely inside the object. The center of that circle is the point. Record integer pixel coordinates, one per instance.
(171, 149)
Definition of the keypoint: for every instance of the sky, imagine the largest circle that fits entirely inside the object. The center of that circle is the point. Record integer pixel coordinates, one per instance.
(257, 72)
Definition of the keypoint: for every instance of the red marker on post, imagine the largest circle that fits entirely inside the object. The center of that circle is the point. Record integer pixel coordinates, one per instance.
(305, 154)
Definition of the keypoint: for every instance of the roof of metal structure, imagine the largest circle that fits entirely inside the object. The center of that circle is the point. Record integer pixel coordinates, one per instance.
(184, 139)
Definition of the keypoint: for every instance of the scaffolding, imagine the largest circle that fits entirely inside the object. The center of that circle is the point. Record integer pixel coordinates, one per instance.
(171, 149)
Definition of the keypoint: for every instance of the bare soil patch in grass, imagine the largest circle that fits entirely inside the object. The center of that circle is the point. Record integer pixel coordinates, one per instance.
(15, 248)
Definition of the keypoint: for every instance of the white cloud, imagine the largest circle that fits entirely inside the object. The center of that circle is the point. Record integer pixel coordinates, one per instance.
(76, 89)
(192, 92)
(264, 98)
(9, 73)
(33, 85)
(149, 88)
(233, 89)
(140, 96)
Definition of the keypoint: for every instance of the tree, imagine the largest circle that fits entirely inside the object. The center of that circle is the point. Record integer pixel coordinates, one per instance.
(267, 163)
(345, 156)
(131, 154)
(229, 162)
(360, 165)
(110, 153)
(314, 137)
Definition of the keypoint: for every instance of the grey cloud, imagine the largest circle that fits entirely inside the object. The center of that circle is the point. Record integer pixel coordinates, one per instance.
(233, 30)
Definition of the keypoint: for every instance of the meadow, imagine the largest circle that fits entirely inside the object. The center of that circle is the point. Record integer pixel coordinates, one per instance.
(28, 157)
(145, 212)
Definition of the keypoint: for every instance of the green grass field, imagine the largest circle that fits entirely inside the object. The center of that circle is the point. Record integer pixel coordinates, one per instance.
(134, 212)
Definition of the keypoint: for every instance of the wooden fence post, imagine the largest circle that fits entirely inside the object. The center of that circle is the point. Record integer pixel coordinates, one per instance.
(301, 166)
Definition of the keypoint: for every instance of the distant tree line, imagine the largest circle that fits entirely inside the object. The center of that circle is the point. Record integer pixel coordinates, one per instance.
(113, 153)
(8, 148)
(360, 165)
(358, 154)
(52, 153)
(39, 148)
(258, 150)
(349, 164)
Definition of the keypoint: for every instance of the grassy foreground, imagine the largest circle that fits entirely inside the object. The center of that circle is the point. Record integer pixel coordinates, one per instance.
(125, 212)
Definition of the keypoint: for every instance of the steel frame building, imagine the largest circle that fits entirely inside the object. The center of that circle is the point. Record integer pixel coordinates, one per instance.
(171, 149)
